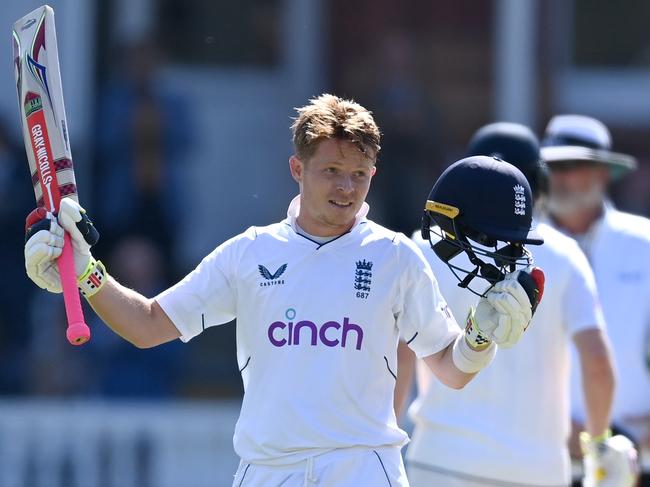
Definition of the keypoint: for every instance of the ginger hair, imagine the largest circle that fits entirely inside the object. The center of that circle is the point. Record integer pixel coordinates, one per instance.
(331, 117)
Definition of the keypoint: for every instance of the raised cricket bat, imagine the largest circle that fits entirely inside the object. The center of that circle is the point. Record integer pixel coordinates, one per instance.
(45, 133)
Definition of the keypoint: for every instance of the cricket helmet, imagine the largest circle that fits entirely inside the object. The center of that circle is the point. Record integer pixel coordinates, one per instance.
(516, 144)
(481, 206)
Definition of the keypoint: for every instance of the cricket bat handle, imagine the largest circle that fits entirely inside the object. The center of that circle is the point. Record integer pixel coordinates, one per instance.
(78, 332)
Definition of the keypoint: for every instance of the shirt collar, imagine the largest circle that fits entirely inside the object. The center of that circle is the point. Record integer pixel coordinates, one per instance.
(294, 210)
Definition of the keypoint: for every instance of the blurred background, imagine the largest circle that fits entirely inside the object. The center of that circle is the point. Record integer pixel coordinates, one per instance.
(179, 114)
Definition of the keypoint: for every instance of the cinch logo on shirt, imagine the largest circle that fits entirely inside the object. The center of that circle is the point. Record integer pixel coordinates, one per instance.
(330, 333)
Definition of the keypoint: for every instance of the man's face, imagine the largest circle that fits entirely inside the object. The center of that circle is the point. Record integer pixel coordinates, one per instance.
(577, 189)
(334, 183)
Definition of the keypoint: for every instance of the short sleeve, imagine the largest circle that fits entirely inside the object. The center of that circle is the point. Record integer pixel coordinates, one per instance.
(424, 320)
(580, 303)
(208, 295)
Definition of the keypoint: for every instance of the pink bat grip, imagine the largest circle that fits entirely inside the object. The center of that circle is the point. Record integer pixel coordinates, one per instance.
(78, 332)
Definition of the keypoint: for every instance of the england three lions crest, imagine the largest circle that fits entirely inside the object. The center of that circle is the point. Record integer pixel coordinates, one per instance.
(363, 278)
(520, 200)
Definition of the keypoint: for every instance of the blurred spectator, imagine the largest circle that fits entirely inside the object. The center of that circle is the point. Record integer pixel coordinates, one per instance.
(143, 134)
(17, 199)
(50, 366)
(124, 370)
(410, 135)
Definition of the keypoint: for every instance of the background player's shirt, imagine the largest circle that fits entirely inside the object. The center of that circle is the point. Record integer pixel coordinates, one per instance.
(511, 422)
(317, 332)
(619, 252)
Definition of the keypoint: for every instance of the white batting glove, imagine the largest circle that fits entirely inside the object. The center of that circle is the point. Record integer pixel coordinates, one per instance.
(609, 462)
(501, 316)
(71, 213)
(42, 249)
(45, 243)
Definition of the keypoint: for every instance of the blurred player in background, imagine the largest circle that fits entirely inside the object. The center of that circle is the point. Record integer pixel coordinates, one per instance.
(320, 300)
(514, 431)
(578, 152)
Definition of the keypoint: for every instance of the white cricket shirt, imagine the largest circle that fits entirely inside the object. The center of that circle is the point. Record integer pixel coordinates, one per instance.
(511, 422)
(619, 252)
(317, 332)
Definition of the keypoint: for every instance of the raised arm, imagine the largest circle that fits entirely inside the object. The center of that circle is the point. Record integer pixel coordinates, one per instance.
(134, 317)
(445, 369)
(500, 318)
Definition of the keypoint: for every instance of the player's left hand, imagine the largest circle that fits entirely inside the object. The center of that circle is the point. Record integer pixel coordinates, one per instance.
(609, 462)
(504, 313)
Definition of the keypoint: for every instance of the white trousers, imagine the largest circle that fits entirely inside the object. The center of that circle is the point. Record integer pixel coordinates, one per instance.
(353, 467)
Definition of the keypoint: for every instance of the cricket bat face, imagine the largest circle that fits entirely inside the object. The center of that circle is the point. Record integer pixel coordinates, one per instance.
(45, 133)
(40, 98)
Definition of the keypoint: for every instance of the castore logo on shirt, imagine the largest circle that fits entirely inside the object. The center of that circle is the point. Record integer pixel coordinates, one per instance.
(271, 279)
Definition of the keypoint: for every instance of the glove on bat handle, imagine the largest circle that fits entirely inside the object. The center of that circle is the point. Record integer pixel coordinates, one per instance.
(78, 332)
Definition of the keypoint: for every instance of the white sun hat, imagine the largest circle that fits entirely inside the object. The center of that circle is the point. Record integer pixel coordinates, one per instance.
(571, 139)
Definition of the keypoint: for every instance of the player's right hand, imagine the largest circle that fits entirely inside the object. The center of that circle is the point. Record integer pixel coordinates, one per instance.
(609, 462)
(74, 220)
(44, 243)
